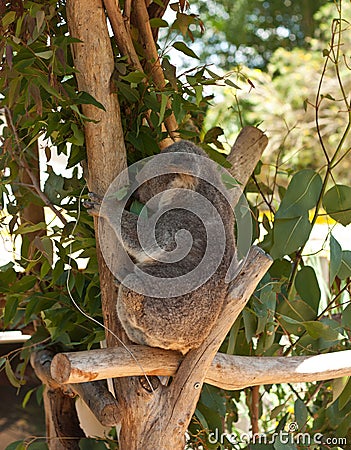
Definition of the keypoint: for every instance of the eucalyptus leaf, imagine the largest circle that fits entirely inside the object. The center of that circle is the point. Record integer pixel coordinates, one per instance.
(345, 396)
(307, 286)
(345, 266)
(289, 234)
(302, 194)
(182, 47)
(320, 330)
(11, 375)
(301, 413)
(335, 258)
(337, 203)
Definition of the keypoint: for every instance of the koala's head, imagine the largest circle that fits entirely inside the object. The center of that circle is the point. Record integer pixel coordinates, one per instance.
(181, 169)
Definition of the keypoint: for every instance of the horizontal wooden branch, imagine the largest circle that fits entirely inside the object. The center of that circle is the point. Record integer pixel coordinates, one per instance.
(226, 371)
(94, 394)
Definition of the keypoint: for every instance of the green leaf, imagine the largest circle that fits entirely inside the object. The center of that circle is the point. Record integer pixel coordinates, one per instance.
(277, 410)
(45, 55)
(231, 84)
(53, 187)
(302, 194)
(232, 337)
(301, 413)
(250, 324)
(91, 444)
(345, 266)
(14, 90)
(17, 445)
(78, 136)
(320, 330)
(213, 134)
(37, 445)
(137, 208)
(24, 284)
(39, 18)
(11, 375)
(134, 77)
(86, 99)
(26, 228)
(346, 317)
(27, 397)
(11, 305)
(170, 72)
(345, 396)
(164, 100)
(198, 93)
(337, 203)
(307, 286)
(335, 258)
(182, 47)
(132, 95)
(45, 245)
(229, 181)
(289, 234)
(77, 154)
(155, 22)
(8, 19)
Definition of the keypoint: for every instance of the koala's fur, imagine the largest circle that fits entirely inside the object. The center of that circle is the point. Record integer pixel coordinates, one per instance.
(183, 322)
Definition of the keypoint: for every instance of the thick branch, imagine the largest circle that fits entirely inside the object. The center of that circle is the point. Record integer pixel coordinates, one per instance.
(155, 10)
(122, 33)
(226, 371)
(94, 394)
(100, 401)
(153, 64)
(246, 152)
(185, 390)
(62, 425)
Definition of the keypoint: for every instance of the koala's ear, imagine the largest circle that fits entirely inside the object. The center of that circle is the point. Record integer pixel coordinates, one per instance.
(185, 181)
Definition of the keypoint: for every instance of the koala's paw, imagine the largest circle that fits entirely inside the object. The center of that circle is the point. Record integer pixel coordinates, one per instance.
(93, 204)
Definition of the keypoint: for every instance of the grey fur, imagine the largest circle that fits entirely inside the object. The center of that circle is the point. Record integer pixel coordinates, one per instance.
(180, 322)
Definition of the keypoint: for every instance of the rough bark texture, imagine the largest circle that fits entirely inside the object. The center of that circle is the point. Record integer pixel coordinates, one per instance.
(32, 213)
(156, 419)
(159, 419)
(228, 372)
(106, 154)
(62, 425)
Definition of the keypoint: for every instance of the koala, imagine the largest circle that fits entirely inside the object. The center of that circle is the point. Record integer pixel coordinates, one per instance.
(182, 320)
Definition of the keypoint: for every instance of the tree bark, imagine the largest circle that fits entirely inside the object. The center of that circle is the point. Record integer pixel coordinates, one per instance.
(156, 418)
(229, 372)
(161, 419)
(62, 425)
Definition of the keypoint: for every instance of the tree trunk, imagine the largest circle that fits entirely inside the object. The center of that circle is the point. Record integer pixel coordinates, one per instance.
(63, 431)
(155, 417)
(106, 159)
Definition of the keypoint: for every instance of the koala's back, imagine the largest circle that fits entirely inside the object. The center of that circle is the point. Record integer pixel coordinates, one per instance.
(180, 322)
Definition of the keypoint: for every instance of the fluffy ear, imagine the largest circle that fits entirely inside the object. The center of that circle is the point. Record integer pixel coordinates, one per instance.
(184, 181)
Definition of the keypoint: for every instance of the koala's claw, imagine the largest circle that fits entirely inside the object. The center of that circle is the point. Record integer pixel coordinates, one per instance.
(93, 205)
(95, 198)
